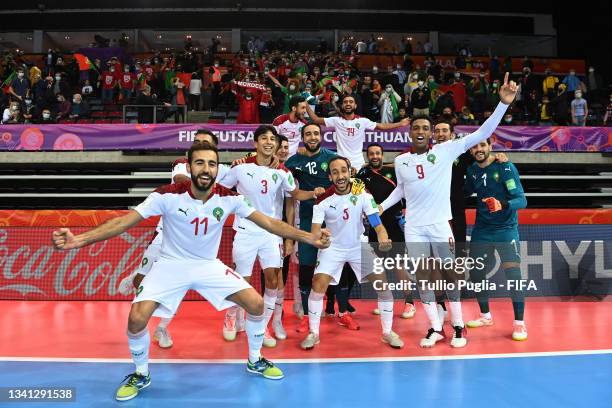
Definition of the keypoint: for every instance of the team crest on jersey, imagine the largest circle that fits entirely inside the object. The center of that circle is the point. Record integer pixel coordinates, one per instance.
(431, 158)
(140, 288)
(496, 177)
(218, 213)
(388, 175)
(353, 200)
(357, 125)
(145, 261)
(374, 205)
(324, 166)
(456, 162)
(274, 178)
(247, 202)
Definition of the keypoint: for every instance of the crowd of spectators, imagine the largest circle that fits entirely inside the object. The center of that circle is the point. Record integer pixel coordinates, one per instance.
(259, 83)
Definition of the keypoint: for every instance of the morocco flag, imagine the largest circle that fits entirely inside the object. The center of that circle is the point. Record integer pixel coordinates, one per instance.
(84, 63)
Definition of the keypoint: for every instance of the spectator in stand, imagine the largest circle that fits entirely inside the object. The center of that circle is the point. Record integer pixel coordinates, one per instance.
(545, 115)
(87, 88)
(361, 47)
(419, 99)
(388, 103)
(400, 74)
(527, 63)
(459, 91)
(292, 89)
(248, 104)
(508, 64)
(550, 83)
(403, 113)
(195, 92)
(493, 94)
(572, 82)
(372, 45)
(479, 89)
(45, 117)
(127, 81)
(607, 119)
(20, 85)
(29, 109)
(528, 82)
(146, 101)
(12, 114)
(466, 118)
(494, 67)
(428, 48)
(580, 109)
(63, 108)
(445, 102)
(594, 87)
(369, 99)
(508, 119)
(179, 99)
(109, 81)
(61, 86)
(531, 107)
(330, 107)
(560, 106)
(80, 108)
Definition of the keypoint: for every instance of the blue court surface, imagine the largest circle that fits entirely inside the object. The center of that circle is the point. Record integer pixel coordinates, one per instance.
(577, 379)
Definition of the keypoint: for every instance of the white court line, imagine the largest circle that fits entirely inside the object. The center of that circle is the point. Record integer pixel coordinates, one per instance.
(312, 360)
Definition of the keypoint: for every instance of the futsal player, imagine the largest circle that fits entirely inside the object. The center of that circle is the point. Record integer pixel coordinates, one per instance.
(194, 214)
(350, 130)
(130, 283)
(290, 124)
(342, 212)
(260, 184)
(499, 195)
(424, 178)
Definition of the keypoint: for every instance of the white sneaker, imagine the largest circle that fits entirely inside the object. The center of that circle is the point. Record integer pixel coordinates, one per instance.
(519, 333)
(393, 340)
(458, 339)
(279, 330)
(162, 337)
(240, 321)
(126, 286)
(229, 328)
(432, 338)
(310, 341)
(409, 311)
(481, 321)
(376, 312)
(298, 309)
(269, 341)
(442, 314)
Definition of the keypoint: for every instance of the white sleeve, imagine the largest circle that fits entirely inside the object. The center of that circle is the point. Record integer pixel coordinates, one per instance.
(180, 168)
(153, 205)
(368, 124)
(243, 207)
(482, 133)
(369, 204)
(222, 171)
(330, 122)
(396, 195)
(288, 181)
(318, 214)
(229, 179)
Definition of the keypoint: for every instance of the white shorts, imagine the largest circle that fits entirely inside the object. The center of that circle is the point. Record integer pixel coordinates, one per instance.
(420, 240)
(267, 247)
(151, 254)
(169, 280)
(330, 261)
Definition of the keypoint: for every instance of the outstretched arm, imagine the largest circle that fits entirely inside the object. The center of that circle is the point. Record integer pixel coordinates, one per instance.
(303, 195)
(313, 116)
(396, 195)
(389, 126)
(64, 239)
(277, 227)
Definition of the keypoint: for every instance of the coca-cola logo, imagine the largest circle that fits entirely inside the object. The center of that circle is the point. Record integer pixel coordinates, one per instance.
(31, 268)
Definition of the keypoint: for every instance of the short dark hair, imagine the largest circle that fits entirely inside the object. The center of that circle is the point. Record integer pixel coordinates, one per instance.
(422, 117)
(347, 161)
(310, 124)
(344, 96)
(296, 100)
(199, 147)
(264, 129)
(280, 139)
(209, 133)
(375, 145)
(447, 119)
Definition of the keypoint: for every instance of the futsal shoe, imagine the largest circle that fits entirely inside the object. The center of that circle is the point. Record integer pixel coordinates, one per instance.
(279, 330)
(310, 341)
(265, 368)
(376, 312)
(350, 308)
(126, 286)
(458, 339)
(162, 337)
(480, 322)
(519, 332)
(393, 340)
(409, 311)
(269, 341)
(303, 327)
(131, 386)
(432, 338)
(346, 320)
(229, 328)
(442, 313)
(298, 309)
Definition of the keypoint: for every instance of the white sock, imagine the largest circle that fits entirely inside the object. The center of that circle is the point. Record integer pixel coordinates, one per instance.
(278, 307)
(386, 315)
(164, 322)
(456, 314)
(232, 311)
(297, 295)
(431, 309)
(139, 348)
(486, 315)
(269, 299)
(519, 322)
(255, 328)
(315, 308)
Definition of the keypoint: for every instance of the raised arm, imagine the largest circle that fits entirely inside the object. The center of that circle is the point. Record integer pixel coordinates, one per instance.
(276, 81)
(280, 228)
(313, 116)
(303, 195)
(389, 126)
(63, 238)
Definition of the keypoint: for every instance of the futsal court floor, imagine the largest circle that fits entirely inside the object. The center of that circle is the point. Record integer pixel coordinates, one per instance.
(566, 362)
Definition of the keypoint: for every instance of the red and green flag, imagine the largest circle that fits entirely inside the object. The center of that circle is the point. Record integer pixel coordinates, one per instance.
(7, 82)
(84, 63)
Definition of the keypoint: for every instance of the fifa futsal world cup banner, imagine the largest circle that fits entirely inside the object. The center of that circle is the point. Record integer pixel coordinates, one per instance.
(91, 137)
(562, 253)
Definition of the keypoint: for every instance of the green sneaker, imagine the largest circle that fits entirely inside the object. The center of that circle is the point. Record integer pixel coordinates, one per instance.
(133, 383)
(265, 368)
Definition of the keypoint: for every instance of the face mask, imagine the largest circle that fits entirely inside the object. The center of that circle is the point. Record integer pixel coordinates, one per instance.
(46, 115)
(482, 75)
(58, 78)
(399, 67)
(20, 74)
(126, 70)
(28, 101)
(112, 70)
(591, 69)
(572, 73)
(335, 98)
(75, 101)
(292, 88)
(457, 75)
(14, 108)
(375, 70)
(494, 85)
(248, 97)
(307, 90)
(217, 64)
(508, 119)
(578, 95)
(466, 117)
(421, 83)
(389, 89)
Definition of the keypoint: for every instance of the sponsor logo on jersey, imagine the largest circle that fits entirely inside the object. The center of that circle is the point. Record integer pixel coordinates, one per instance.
(510, 184)
(247, 202)
(250, 175)
(218, 213)
(183, 211)
(140, 288)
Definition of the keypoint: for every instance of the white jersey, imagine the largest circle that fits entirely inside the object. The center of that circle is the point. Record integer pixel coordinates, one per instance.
(350, 135)
(424, 180)
(192, 229)
(342, 215)
(291, 130)
(261, 185)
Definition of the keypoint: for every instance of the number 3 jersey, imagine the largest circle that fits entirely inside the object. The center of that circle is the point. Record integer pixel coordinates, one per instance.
(192, 229)
(261, 186)
(342, 216)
